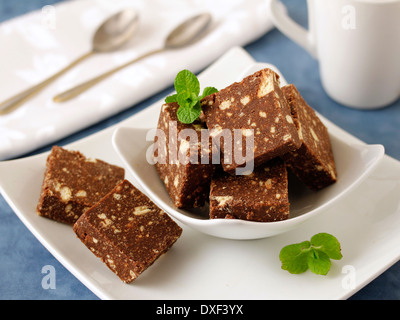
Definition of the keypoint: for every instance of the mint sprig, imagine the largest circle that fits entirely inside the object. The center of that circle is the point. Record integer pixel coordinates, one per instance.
(314, 254)
(188, 97)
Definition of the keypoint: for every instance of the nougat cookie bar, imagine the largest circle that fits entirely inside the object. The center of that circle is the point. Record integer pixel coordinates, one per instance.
(73, 183)
(313, 163)
(253, 109)
(127, 231)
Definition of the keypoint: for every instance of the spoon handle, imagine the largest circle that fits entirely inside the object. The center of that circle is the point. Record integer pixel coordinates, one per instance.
(12, 103)
(75, 91)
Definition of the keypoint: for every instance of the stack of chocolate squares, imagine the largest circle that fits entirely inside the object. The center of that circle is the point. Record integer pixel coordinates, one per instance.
(256, 130)
(116, 221)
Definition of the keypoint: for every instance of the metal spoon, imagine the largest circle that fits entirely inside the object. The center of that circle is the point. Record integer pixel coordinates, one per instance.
(186, 33)
(111, 34)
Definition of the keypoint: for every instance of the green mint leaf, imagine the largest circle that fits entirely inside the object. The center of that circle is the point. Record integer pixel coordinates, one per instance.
(187, 81)
(318, 262)
(172, 98)
(207, 91)
(192, 100)
(189, 114)
(327, 243)
(182, 98)
(314, 255)
(294, 257)
(186, 99)
(187, 88)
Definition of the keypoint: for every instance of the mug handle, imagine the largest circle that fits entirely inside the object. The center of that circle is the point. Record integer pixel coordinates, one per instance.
(290, 28)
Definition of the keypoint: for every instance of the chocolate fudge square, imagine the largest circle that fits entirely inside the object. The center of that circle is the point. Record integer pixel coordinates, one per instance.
(127, 231)
(313, 163)
(183, 163)
(257, 109)
(73, 183)
(260, 196)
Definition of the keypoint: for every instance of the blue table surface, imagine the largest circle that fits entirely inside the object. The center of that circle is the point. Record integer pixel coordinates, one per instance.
(23, 256)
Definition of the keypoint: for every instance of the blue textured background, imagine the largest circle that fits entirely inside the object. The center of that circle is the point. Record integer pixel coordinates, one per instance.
(22, 256)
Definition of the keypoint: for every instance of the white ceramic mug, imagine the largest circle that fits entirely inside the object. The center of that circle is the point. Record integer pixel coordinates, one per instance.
(357, 44)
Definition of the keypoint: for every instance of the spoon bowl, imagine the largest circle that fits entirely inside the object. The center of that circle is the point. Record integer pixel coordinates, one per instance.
(116, 31)
(188, 31)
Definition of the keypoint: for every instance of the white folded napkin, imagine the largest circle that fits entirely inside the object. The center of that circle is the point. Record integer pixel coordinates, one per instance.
(39, 44)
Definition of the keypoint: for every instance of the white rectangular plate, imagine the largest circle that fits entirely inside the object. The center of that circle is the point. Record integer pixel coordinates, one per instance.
(366, 222)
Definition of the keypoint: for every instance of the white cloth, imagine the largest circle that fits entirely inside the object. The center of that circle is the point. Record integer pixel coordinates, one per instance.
(39, 44)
